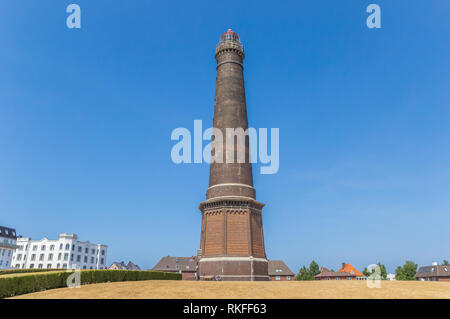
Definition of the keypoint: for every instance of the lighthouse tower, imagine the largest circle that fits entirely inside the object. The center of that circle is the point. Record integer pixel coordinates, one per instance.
(232, 238)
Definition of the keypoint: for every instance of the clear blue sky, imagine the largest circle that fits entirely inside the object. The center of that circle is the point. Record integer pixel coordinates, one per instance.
(86, 117)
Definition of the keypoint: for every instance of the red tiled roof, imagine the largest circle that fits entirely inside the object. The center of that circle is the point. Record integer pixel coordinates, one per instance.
(350, 269)
(335, 274)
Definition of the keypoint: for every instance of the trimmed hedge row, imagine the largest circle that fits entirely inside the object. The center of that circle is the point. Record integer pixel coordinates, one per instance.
(23, 271)
(19, 285)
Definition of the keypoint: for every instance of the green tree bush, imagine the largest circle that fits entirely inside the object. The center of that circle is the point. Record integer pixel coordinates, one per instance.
(308, 273)
(20, 271)
(18, 285)
(383, 271)
(407, 272)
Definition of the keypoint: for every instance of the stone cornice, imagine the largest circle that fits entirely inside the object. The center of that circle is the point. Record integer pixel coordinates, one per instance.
(231, 201)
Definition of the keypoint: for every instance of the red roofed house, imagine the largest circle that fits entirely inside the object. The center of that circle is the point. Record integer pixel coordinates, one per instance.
(347, 272)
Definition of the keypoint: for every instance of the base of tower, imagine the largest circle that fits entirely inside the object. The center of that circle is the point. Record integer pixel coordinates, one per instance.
(233, 268)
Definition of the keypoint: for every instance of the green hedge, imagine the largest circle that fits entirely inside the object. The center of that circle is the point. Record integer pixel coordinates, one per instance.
(18, 285)
(23, 271)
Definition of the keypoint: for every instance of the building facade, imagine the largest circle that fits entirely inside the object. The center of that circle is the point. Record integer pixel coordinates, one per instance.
(8, 245)
(232, 238)
(335, 275)
(434, 272)
(122, 266)
(390, 277)
(64, 253)
(346, 272)
(186, 266)
(279, 271)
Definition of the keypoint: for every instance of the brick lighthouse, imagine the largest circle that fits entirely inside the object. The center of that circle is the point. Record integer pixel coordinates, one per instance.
(232, 238)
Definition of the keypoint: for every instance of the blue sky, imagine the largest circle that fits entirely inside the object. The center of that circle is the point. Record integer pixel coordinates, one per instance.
(86, 117)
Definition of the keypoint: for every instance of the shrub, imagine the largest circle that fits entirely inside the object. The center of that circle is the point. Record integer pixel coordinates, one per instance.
(18, 285)
(20, 271)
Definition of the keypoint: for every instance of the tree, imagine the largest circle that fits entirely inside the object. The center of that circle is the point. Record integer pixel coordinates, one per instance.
(366, 272)
(308, 273)
(407, 272)
(383, 272)
(314, 269)
(446, 262)
(303, 274)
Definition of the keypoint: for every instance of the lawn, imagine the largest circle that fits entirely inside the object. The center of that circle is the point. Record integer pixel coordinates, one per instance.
(156, 289)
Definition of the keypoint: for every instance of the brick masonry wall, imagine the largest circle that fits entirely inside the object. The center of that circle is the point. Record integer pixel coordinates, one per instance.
(231, 217)
(282, 278)
(214, 234)
(227, 232)
(257, 236)
(188, 276)
(237, 234)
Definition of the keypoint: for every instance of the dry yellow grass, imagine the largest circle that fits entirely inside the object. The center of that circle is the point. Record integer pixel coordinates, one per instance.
(155, 289)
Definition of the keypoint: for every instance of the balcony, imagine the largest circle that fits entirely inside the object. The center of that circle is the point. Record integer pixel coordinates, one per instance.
(229, 44)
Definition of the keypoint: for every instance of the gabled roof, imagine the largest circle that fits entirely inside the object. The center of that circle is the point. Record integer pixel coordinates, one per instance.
(118, 265)
(133, 266)
(121, 265)
(433, 271)
(169, 263)
(279, 268)
(335, 274)
(350, 269)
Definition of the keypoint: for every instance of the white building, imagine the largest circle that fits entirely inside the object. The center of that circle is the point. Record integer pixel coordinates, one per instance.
(390, 277)
(65, 252)
(7, 246)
